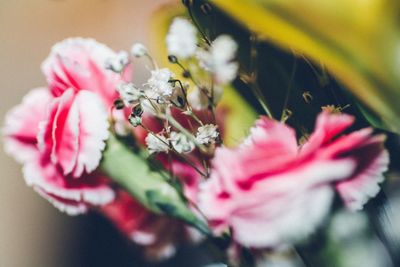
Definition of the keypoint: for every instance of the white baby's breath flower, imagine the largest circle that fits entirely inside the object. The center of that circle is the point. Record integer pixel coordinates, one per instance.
(207, 134)
(152, 103)
(129, 93)
(159, 82)
(138, 50)
(198, 99)
(118, 63)
(181, 143)
(181, 39)
(219, 59)
(156, 143)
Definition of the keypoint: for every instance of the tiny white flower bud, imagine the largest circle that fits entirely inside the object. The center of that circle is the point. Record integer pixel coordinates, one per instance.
(159, 82)
(207, 134)
(219, 59)
(181, 143)
(118, 62)
(181, 38)
(156, 143)
(135, 120)
(138, 50)
(129, 93)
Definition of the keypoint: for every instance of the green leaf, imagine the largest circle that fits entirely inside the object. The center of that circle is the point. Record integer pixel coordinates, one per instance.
(373, 119)
(131, 171)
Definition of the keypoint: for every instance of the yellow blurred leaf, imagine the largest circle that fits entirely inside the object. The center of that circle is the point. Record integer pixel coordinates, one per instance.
(357, 40)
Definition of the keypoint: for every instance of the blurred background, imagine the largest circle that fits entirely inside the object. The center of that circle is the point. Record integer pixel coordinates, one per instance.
(32, 232)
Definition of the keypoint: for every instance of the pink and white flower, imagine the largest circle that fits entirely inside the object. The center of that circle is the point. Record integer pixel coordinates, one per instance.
(270, 191)
(74, 131)
(59, 133)
(65, 192)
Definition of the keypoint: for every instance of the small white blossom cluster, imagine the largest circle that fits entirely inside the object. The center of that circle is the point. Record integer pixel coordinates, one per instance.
(219, 59)
(181, 143)
(182, 39)
(215, 59)
(206, 67)
(159, 82)
(207, 134)
(157, 143)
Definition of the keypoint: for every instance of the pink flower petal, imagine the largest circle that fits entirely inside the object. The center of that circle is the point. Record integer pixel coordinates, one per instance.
(328, 126)
(267, 131)
(59, 133)
(74, 132)
(287, 219)
(22, 122)
(373, 162)
(79, 63)
(73, 196)
(94, 126)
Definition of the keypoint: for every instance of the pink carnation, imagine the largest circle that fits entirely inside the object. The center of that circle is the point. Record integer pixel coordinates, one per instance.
(59, 133)
(270, 191)
(45, 175)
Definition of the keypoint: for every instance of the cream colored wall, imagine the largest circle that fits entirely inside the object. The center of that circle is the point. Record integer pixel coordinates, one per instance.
(31, 231)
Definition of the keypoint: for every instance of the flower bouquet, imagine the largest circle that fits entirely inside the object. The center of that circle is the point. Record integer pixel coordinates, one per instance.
(259, 132)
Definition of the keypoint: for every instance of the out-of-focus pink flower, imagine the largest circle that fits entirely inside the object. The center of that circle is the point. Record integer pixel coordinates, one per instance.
(79, 64)
(367, 151)
(270, 191)
(159, 235)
